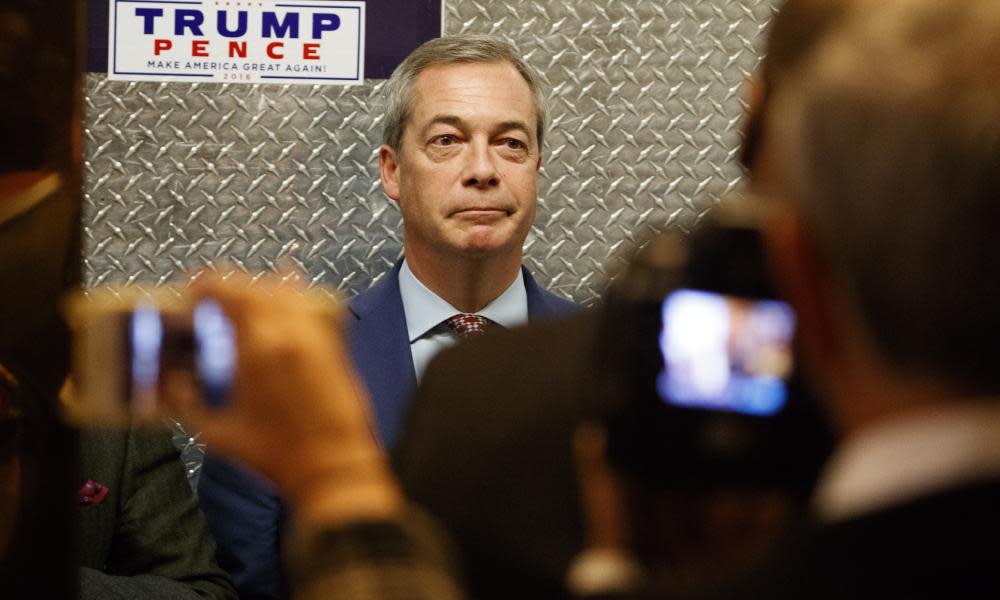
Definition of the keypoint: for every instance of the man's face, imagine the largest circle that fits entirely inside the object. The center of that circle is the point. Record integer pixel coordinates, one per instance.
(466, 174)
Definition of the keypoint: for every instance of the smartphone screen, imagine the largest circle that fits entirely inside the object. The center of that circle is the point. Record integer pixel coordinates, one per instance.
(215, 351)
(145, 337)
(725, 353)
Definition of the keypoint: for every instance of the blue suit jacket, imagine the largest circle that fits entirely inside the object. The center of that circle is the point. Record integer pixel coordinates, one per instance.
(246, 514)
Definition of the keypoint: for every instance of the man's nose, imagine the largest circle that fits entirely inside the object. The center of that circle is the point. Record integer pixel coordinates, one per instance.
(480, 170)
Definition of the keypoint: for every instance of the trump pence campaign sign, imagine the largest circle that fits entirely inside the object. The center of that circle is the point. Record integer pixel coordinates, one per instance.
(244, 41)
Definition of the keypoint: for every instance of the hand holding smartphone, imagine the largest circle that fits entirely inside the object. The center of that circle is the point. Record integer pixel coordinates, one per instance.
(131, 343)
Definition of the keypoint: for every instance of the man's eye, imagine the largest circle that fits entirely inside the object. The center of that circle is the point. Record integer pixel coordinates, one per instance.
(444, 140)
(515, 144)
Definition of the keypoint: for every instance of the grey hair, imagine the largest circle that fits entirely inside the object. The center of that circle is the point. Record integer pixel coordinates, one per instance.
(889, 145)
(465, 48)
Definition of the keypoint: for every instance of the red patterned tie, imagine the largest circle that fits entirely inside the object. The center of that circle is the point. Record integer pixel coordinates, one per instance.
(465, 325)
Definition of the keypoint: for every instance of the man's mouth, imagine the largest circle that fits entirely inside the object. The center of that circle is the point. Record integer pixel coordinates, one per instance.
(480, 211)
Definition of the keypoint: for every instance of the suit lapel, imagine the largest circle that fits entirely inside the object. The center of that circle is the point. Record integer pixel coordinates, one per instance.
(380, 347)
(542, 304)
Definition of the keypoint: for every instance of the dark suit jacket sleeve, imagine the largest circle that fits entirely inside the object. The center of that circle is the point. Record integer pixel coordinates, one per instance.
(159, 544)
(246, 516)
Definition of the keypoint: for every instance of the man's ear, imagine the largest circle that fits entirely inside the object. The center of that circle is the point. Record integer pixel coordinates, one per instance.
(538, 163)
(756, 89)
(388, 166)
(753, 125)
(803, 276)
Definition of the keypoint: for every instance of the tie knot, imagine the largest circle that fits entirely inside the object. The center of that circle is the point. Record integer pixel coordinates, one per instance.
(465, 325)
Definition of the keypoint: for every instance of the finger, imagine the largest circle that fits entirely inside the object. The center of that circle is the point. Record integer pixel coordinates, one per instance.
(589, 444)
(601, 493)
(291, 274)
(229, 292)
(241, 300)
(231, 438)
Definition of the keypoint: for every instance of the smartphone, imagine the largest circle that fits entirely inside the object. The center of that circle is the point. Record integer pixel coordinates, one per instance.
(201, 343)
(127, 343)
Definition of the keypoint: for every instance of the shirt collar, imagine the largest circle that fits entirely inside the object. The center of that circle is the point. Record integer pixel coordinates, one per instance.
(24, 200)
(425, 310)
(909, 457)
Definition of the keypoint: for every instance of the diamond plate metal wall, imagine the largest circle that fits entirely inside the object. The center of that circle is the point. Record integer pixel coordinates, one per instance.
(646, 99)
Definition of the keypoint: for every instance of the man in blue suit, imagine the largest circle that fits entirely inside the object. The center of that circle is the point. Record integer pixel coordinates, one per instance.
(461, 153)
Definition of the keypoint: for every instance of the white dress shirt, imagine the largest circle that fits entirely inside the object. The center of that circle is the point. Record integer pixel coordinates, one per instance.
(425, 310)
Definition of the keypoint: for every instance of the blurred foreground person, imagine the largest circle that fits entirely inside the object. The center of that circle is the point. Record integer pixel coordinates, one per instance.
(886, 178)
(141, 531)
(39, 259)
(881, 193)
(881, 209)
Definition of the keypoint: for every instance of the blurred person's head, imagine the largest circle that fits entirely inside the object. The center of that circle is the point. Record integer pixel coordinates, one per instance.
(39, 260)
(889, 178)
(39, 210)
(794, 31)
(36, 93)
